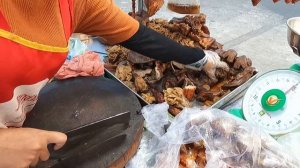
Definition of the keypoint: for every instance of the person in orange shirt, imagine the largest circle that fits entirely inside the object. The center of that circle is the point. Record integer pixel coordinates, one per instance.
(33, 45)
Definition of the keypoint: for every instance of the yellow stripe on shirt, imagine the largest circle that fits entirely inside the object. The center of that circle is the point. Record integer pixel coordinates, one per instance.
(31, 44)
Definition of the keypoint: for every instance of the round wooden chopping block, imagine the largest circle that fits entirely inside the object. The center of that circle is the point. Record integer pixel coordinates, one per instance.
(68, 104)
(115, 155)
(122, 161)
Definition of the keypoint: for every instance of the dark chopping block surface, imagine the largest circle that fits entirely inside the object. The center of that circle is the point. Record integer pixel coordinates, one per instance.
(68, 104)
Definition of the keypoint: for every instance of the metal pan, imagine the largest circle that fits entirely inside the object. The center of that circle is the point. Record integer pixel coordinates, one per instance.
(236, 93)
(224, 100)
(293, 34)
(110, 75)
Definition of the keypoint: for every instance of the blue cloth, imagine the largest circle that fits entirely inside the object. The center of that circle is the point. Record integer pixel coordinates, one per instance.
(76, 47)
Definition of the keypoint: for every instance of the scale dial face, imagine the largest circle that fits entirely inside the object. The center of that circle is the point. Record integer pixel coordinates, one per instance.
(281, 121)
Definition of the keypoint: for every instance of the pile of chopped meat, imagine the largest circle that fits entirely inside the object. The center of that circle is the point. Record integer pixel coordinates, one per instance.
(189, 31)
(157, 82)
(192, 155)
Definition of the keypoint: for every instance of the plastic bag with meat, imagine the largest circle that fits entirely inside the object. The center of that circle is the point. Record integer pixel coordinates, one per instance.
(228, 140)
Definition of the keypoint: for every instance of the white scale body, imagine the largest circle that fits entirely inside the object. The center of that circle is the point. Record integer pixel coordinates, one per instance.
(281, 121)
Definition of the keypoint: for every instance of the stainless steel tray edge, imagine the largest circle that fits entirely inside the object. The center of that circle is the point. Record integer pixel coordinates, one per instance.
(235, 94)
(110, 75)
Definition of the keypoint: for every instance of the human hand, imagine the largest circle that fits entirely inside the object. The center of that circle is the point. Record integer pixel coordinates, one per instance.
(24, 147)
(213, 62)
(255, 2)
(209, 64)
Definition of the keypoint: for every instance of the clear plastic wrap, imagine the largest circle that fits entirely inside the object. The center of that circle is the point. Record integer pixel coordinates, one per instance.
(81, 43)
(229, 141)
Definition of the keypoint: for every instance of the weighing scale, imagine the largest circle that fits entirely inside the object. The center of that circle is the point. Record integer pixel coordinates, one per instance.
(273, 100)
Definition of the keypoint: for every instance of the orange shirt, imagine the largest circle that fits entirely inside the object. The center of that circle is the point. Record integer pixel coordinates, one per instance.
(40, 20)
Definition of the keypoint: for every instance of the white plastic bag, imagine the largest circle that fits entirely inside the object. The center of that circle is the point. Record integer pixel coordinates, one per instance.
(80, 44)
(291, 142)
(229, 141)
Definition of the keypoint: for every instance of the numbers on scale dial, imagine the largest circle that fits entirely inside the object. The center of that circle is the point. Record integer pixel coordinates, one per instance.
(278, 122)
(255, 97)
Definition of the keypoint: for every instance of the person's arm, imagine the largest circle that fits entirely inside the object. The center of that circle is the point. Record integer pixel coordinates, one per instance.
(103, 18)
(150, 43)
(155, 45)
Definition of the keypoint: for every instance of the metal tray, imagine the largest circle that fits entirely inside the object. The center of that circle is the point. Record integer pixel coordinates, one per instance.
(110, 75)
(232, 96)
(236, 93)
